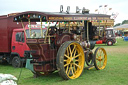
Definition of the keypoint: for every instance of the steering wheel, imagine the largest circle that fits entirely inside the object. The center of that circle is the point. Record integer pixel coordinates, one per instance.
(52, 30)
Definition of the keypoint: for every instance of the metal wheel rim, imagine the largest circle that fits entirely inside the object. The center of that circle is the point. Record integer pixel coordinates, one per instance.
(73, 60)
(101, 58)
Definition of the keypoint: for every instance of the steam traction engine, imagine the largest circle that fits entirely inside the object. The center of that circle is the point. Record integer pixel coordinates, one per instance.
(65, 46)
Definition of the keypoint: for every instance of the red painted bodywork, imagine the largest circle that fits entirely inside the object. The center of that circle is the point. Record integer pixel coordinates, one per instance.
(99, 42)
(20, 47)
(8, 30)
(45, 53)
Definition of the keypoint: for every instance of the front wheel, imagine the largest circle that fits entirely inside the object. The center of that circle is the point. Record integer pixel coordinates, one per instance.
(100, 58)
(70, 60)
(16, 62)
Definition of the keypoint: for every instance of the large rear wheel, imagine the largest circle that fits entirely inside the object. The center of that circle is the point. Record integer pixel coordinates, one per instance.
(70, 60)
(100, 58)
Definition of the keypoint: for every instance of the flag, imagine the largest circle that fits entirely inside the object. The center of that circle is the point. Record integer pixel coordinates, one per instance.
(110, 8)
(100, 6)
(113, 14)
(105, 5)
(116, 15)
(96, 10)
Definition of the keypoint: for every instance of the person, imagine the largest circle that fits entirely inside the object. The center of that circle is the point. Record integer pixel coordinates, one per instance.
(33, 35)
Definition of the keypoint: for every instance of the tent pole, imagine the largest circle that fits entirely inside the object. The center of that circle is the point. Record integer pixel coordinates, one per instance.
(99, 28)
(47, 32)
(41, 28)
(29, 27)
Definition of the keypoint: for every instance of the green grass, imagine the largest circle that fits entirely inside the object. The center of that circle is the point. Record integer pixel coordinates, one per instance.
(115, 73)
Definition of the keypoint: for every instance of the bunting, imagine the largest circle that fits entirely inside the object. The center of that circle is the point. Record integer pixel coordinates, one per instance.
(105, 5)
(100, 6)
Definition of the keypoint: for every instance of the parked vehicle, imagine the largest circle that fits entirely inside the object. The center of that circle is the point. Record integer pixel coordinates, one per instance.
(66, 46)
(13, 40)
(107, 36)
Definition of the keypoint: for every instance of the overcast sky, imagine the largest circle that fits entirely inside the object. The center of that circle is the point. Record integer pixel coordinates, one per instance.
(118, 6)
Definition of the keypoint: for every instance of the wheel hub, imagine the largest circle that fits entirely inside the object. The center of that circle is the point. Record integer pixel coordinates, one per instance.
(109, 43)
(71, 60)
(100, 58)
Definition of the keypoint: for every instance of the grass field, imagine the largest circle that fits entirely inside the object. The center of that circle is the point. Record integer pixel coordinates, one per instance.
(115, 73)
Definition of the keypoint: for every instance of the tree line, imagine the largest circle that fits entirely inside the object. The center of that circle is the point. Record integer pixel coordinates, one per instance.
(123, 22)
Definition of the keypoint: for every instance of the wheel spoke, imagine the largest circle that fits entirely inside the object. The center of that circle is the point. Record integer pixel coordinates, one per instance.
(76, 60)
(97, 55)
(97, 61)
(67, 69)
(100, 52)
(66, 56)
(102, 57)
(77, 55)
(72, 71)
(66, 64)
(74, 53)
(100, 64)
(70, 51)
(65, 60)
(73, 49)
(74, 67)
(67, 52)
(103, 60)
(77, 65)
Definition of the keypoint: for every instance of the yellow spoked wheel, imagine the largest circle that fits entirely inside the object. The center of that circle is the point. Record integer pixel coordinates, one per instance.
(70, 60)
(100, 58)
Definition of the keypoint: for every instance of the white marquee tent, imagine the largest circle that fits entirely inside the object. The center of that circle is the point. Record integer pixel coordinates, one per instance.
(121, 27)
